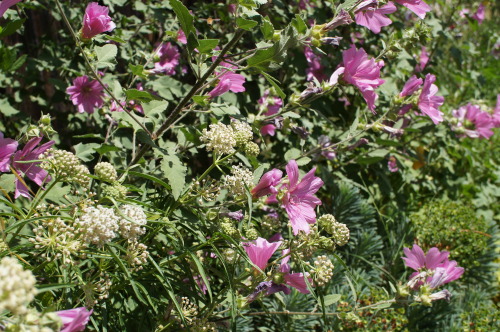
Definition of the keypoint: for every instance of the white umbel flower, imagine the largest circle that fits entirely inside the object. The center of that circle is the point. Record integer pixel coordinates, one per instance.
(97, 225)
(240, 178)
(105, 171)
(242, 132)
(220, 138)
(131, 225)
(17, 286)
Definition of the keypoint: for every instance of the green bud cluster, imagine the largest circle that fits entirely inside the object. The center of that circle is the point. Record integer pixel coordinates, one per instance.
(251, 149)
(228, 228)
(251, 233)
(106, 172)
(339, 231)
(65, 166)
(115, 191)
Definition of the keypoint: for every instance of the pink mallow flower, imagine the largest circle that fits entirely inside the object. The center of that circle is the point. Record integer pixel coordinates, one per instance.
(423, 60)
(7, 148)
(417, 260)
(96, 20)
(419, 7)
(30, 169)
(228, 81)
(314, 69)
(86, 94)
(473, 122)
(272, 105)
(181, 37)
(362, 72)
(298, 199)
(412, 85)
(168, 59)
(74, 320)
(428, 102)
(369, 15)
(260, 251)
(267, 184)
(295, 280)
(6, 4)
(479, 14)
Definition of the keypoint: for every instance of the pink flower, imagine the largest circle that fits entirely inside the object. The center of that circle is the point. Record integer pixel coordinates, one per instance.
(6, 4)
(392, 164)
(419, 7)
(299, 200)
(417, 260)
(363, 73)
(412, 85)
(479, 14)
(473, 122)
(232, 8)
(295, 280)
(74, 320)
(228, 81)
(181, 37)
(86, 94)
(445, 273)
(31, 169)
(496, 113)
(314, 69)
(273, 105)
(169, 59)
(267, 184)
(423, 60)
(428, 102)
(7, 148)
(369, 15)
(96, 20)
(260, 251)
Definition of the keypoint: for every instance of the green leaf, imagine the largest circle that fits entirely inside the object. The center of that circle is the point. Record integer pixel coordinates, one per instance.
(143, 96)
(19, 62)
(115, 39)
(332, 298)
(138, 70)
(185, 18)
(245, 24)
(293, 153)
(267, 29)
(275, 85)
(207, 45)
(106, 148)
(175, 172)
(299, 24)
(106, 56)
(11, 27)
(6, 109)
(347, 5)
(271, 58)
(85, 151)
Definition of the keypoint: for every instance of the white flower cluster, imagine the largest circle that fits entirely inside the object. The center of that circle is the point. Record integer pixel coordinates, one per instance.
(131, 226)
(240, 178)
(17, 286)
(97, 225)
(105, 171)
(137, 254)
(223, 139)
(322, 271)
(66, 166)
(242, 132)
(340, 232)
(220, 138)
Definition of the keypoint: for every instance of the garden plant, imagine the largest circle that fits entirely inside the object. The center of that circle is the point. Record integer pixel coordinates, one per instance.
(249, 165)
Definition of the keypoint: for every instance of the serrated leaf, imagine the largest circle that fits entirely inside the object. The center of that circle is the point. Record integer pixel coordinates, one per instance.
(299, 24)
(207, 45)
(106, 56)
(271, 58)
(138, 70)
(267, 29)
(6, 108)
(347, 5)
(144, 96)
(245, 24)
(185, 18)
(293, 153)
(175, 172)
(85, 151)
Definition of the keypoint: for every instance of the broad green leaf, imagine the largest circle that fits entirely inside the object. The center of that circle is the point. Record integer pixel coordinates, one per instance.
(207, 45)
(85, 151)
(299, 24)
(138, 70)
(106, 56)
(115, 39)
(185, 18)
(267, 29)
(271, 58)
(6, 109)
(332, 298)
(143, 96)
(11, 27)
(175, 172)
(245, 24)
(293, 153)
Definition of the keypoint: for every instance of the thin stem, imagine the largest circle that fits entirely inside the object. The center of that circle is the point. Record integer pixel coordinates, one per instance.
(94, 74)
